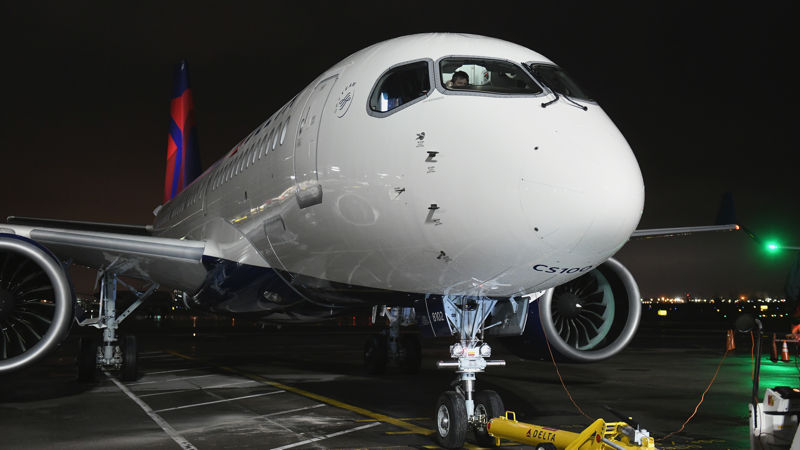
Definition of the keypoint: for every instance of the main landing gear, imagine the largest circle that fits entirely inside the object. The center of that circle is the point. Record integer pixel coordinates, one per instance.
(111, 352)
(463, 409)
(390, 347)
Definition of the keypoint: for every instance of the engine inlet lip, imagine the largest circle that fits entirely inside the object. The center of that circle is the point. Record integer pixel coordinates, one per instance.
(62, 315)
(634, 314)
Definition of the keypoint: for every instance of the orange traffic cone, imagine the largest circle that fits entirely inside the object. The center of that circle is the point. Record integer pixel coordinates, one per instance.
(785, 352)
(730, 344)
(773, 352)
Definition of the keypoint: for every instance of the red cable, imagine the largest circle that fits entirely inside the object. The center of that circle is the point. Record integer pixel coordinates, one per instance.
(702, 397)
(562, 381)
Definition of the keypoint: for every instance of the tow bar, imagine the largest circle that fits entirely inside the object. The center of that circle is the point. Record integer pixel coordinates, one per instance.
(599, 435)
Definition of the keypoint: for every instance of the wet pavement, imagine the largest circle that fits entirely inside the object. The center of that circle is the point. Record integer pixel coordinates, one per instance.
(306, 388)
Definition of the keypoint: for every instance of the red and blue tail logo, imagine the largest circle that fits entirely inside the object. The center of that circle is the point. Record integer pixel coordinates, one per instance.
(183, 159)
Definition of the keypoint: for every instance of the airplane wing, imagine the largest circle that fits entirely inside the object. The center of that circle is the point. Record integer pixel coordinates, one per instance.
(681, 231)
(169, 262)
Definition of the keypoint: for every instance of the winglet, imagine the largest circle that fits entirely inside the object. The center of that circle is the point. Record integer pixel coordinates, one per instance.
(183, 158)
(726, 213)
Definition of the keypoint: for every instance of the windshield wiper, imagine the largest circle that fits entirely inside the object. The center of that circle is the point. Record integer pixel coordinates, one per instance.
(546, 104)
(566, 97)
(577, 105)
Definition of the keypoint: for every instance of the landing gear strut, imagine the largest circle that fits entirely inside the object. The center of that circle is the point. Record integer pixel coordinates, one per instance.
(389, 346)
(462, 409)
(112, 353)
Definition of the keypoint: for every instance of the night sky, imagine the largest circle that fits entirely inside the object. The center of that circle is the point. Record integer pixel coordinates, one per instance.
(703, 93)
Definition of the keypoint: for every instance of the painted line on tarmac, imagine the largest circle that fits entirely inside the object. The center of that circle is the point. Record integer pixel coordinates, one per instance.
(174, 370)
(217, 386)
(327, 436)
(200, 388)
(165, 393)
(180, 440)
(416, 429)
(318, 405)
(218, 401)
(170, 380)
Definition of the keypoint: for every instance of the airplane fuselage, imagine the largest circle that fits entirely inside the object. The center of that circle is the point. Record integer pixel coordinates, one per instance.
(344, 196)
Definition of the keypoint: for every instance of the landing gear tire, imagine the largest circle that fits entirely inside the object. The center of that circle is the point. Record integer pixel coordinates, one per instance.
(490, 405)
(87, 360)
(412, 354)
(375, 354)
(451, 420)
(545, 447)
(129, 369)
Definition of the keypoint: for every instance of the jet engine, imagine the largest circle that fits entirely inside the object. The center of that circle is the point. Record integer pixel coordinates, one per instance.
(35, 302)
(584, 320)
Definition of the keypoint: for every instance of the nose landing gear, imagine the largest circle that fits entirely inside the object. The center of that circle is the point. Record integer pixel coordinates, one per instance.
(462, 409)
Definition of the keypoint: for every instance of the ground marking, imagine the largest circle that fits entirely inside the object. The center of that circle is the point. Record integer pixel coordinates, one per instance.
(199, 388)
(327, 436)
(180, 440)
(318, 405)
(358, 410)
(165, 393)
(175, 370)
(228, 384)
(219, 401)
(169, 380)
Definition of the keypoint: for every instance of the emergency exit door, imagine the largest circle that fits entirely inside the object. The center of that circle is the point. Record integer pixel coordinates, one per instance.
(308, 190)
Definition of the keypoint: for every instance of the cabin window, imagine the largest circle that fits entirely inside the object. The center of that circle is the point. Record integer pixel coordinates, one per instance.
(557, 80)
(400, 86)
(283, 131)
(486, 75)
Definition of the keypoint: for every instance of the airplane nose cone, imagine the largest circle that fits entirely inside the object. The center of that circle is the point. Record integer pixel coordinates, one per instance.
(582, 190)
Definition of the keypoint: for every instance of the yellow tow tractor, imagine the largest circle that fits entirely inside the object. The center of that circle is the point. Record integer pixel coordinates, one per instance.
(599, 435)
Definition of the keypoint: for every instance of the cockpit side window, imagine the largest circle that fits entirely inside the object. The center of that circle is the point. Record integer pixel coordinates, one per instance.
(556, 79)
(400, 86)
(486, 75)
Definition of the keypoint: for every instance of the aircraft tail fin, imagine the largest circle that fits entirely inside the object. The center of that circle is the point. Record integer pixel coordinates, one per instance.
(183, 158)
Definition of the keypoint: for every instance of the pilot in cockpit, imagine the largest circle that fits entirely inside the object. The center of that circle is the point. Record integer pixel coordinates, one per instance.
(459, 80)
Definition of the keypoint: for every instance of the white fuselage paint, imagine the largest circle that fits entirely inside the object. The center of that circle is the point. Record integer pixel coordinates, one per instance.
(527, 196)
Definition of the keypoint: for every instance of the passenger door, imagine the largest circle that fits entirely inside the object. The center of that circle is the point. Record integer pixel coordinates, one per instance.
(308, 190)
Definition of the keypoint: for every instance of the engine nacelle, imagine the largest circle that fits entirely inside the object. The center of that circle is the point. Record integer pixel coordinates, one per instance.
(35, 302)
(587, 319)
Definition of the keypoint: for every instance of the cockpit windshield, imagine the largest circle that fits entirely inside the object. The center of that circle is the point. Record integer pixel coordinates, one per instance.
(556, 79)
(486, 75)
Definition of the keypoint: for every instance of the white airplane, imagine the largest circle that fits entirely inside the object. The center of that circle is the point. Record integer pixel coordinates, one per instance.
(459, 182)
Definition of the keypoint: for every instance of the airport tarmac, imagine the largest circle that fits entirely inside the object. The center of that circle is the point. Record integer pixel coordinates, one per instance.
(306, 388)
